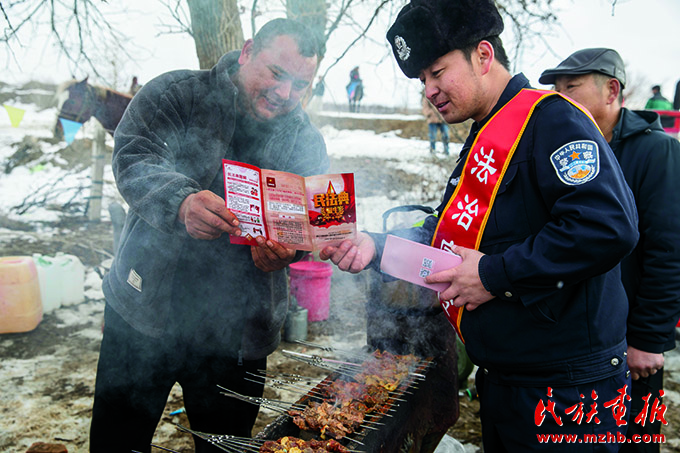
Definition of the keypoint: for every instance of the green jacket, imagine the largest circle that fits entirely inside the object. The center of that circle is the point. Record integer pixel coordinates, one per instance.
(658, 102)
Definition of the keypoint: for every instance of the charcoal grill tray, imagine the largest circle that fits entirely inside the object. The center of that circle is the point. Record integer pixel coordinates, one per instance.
(366, 440)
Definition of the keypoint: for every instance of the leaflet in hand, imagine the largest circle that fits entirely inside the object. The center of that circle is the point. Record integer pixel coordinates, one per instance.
(300, 213)
(412, 261)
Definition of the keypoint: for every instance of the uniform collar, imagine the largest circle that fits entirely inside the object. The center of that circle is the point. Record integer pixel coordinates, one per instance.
(514, 86)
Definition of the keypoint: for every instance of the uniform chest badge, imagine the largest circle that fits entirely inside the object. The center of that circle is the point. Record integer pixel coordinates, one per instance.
(577, 162)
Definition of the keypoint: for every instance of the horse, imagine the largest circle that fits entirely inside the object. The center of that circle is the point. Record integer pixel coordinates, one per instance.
(78, 101)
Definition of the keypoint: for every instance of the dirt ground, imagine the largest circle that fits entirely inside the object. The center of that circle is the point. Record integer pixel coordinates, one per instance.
(47, 375)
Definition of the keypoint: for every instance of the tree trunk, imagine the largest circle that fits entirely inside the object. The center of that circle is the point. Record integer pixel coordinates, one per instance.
(216, 27)
(312, 13)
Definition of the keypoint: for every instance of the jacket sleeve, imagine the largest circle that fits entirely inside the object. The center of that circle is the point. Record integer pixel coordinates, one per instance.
(656, 307)
(145, 154)
(589, 227)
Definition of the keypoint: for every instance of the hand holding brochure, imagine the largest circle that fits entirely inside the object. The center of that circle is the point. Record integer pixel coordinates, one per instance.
(412, 261)
(300, 213)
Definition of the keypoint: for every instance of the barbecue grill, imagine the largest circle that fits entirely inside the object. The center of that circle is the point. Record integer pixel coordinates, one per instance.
(401, 320)
(421, 411)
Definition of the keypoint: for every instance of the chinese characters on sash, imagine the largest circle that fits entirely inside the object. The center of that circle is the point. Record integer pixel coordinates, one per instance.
(463, 220)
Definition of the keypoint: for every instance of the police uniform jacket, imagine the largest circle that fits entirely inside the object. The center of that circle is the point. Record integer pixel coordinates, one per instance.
(169, 144)
(551, 257)
(650, 160)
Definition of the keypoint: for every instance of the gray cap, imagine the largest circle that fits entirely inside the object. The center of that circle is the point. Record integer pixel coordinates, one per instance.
(605, 61)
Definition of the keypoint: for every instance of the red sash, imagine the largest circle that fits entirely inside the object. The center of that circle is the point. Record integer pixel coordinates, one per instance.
(467, 212)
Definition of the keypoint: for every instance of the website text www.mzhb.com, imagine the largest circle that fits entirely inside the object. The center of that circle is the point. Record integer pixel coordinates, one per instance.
(618, 438)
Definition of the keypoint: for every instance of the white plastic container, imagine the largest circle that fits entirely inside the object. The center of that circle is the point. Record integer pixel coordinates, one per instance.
(73, 275)
(50, 283)
(20, 305)
(62, 280)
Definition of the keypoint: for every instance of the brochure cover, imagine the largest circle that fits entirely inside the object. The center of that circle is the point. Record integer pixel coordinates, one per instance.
(412, 261)
(300, 213)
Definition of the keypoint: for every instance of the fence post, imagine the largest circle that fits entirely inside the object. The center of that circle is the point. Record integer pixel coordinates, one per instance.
(94, 208)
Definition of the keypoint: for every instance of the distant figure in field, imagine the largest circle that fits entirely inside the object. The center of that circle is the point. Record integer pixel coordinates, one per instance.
(134, 86)
(435, 122)
(316, 102)
(658, 102)
(355, 89)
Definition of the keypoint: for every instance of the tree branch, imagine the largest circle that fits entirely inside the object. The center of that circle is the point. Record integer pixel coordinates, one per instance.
(361, 35)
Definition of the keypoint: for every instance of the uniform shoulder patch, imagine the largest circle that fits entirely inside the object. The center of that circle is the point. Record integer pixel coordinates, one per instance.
(577, 162)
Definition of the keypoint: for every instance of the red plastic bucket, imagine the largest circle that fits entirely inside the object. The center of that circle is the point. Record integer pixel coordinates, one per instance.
(310, 283)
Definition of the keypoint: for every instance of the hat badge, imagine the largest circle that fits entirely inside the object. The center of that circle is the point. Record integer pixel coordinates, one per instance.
(403, 50)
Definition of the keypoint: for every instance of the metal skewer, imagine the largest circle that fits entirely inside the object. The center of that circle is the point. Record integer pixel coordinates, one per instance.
(290, 376)
(344, 352)
(281, 407)
(318, 360)
(163, 448)
(278, 383)
(237, 444)
(226, 442)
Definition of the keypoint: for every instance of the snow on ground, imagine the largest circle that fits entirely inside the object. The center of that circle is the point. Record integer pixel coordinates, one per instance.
(45, 173)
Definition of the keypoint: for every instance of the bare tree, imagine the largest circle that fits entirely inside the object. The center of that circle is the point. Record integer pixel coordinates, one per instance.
(216, 28)
(314, 14)
(79, 30)
(529, 21)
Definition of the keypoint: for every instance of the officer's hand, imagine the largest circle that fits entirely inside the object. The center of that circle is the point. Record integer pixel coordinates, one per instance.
(270, 256)
(206, 217)
(466, 288)
(351, 256)
(643, 364)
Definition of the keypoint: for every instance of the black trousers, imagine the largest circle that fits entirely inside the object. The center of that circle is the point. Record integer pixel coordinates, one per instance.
(135, 375)
(519, 419)
(642, 388)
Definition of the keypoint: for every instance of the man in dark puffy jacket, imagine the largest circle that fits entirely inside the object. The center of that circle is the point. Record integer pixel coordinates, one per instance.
(183, 305)
(650, 160)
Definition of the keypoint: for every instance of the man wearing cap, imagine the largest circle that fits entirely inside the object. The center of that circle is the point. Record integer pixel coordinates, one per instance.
(650, 160)
(541, 215)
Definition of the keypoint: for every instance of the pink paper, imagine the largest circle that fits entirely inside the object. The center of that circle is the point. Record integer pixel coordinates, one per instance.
(412, 261)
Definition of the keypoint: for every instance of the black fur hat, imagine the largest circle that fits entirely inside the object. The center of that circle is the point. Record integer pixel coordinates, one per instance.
(427, 29)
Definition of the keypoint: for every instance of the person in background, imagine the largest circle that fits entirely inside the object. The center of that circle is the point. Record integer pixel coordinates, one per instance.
(659, 102)
(650, 160)
(435, 123)
(355, 90)
(676, 98)
(541, 216)
(134, 86)
(183, 305)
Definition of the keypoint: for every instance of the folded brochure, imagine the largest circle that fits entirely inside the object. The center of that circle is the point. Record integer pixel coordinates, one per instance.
(412, 261)
(301, 213)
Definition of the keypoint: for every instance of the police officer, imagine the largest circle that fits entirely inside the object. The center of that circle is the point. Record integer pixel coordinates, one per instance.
(650, 160)
(541, 215)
